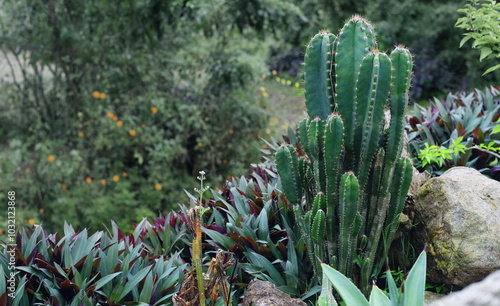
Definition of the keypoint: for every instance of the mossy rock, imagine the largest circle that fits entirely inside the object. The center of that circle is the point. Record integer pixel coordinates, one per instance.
(458, 217)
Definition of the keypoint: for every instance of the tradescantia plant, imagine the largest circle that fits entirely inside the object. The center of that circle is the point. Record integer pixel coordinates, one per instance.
(411, 292)
(103, 269)
(468, 117)
(252, 218)
(344, 173)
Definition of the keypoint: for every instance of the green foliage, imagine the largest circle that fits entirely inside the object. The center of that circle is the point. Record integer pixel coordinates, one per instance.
(439, 132)
(497, 128)
(76, 269)
(345, 172)
(252, 218)
(410, 293)
(435, 154)
(439, 64)
(169, 99)
(482, 23)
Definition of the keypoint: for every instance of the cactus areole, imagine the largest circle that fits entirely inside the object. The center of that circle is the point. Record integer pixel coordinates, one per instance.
(345, 175)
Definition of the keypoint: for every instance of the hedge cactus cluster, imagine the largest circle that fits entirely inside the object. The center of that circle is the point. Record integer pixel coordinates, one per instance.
(344, 172)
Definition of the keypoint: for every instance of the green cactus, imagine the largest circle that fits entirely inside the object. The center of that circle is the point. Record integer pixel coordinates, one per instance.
(345, 175)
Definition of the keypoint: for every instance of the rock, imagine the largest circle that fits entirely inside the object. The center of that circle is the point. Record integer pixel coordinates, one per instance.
(431, 297)
(484, 293)
(262, 293)
(417, 180)
(458, 216)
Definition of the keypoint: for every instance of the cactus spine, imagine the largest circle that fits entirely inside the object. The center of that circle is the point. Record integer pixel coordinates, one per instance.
(345, 174)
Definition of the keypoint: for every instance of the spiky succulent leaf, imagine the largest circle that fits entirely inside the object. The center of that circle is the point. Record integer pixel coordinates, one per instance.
(318, 228)
(333, 148)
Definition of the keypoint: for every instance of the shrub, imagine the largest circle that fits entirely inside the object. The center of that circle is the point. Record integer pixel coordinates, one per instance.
(471, 117)
(482, 25)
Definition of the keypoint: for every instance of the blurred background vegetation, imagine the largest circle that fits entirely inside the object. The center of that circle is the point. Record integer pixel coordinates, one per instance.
(108, 109)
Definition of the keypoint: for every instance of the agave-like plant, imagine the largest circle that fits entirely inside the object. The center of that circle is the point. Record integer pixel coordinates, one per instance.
(411, 292)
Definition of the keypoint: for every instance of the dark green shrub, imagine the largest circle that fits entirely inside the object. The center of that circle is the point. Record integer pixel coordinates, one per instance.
(471, 116)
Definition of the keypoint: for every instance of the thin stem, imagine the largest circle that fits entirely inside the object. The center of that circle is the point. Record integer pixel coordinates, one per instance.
(484, 150)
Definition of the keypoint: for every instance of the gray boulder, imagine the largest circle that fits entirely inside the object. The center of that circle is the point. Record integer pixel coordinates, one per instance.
(430, 297)
(262, 293)
(484, 293)
(458, 216)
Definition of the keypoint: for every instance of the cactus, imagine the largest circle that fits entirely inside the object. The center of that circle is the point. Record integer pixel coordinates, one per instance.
(345, 175)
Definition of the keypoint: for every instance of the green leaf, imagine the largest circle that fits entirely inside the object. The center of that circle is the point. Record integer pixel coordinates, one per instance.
(485, 51)
(263, 230)
(103, 281)
(492, 69)
(415, 282)
(378, 298)
(349, 293)
(223, 240)
(394, 292)
(326, 298)
(260, 261)
(147, 289)
(133, 280)
(464, 40)
(496, 129)
(2, 281)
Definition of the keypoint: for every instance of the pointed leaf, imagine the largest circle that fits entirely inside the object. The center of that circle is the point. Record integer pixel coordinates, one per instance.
(103, 281)
(378, 298)
(415, 282)
(349, 293)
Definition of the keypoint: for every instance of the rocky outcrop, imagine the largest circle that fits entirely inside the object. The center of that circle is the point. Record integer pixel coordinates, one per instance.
(484, 293)
(262, 293)
(458, 216)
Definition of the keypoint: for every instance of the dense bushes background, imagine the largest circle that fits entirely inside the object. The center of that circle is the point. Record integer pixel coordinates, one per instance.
(426, 27)
(117, 105)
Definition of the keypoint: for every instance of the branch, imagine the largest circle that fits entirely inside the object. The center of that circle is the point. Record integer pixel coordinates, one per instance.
(484, 150)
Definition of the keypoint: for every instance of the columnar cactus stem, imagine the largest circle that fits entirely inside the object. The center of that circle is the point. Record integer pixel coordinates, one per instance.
(317, 84)
(373, 86)
(355, 40)
(346, 176)
(333, 148)
(348, 211)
